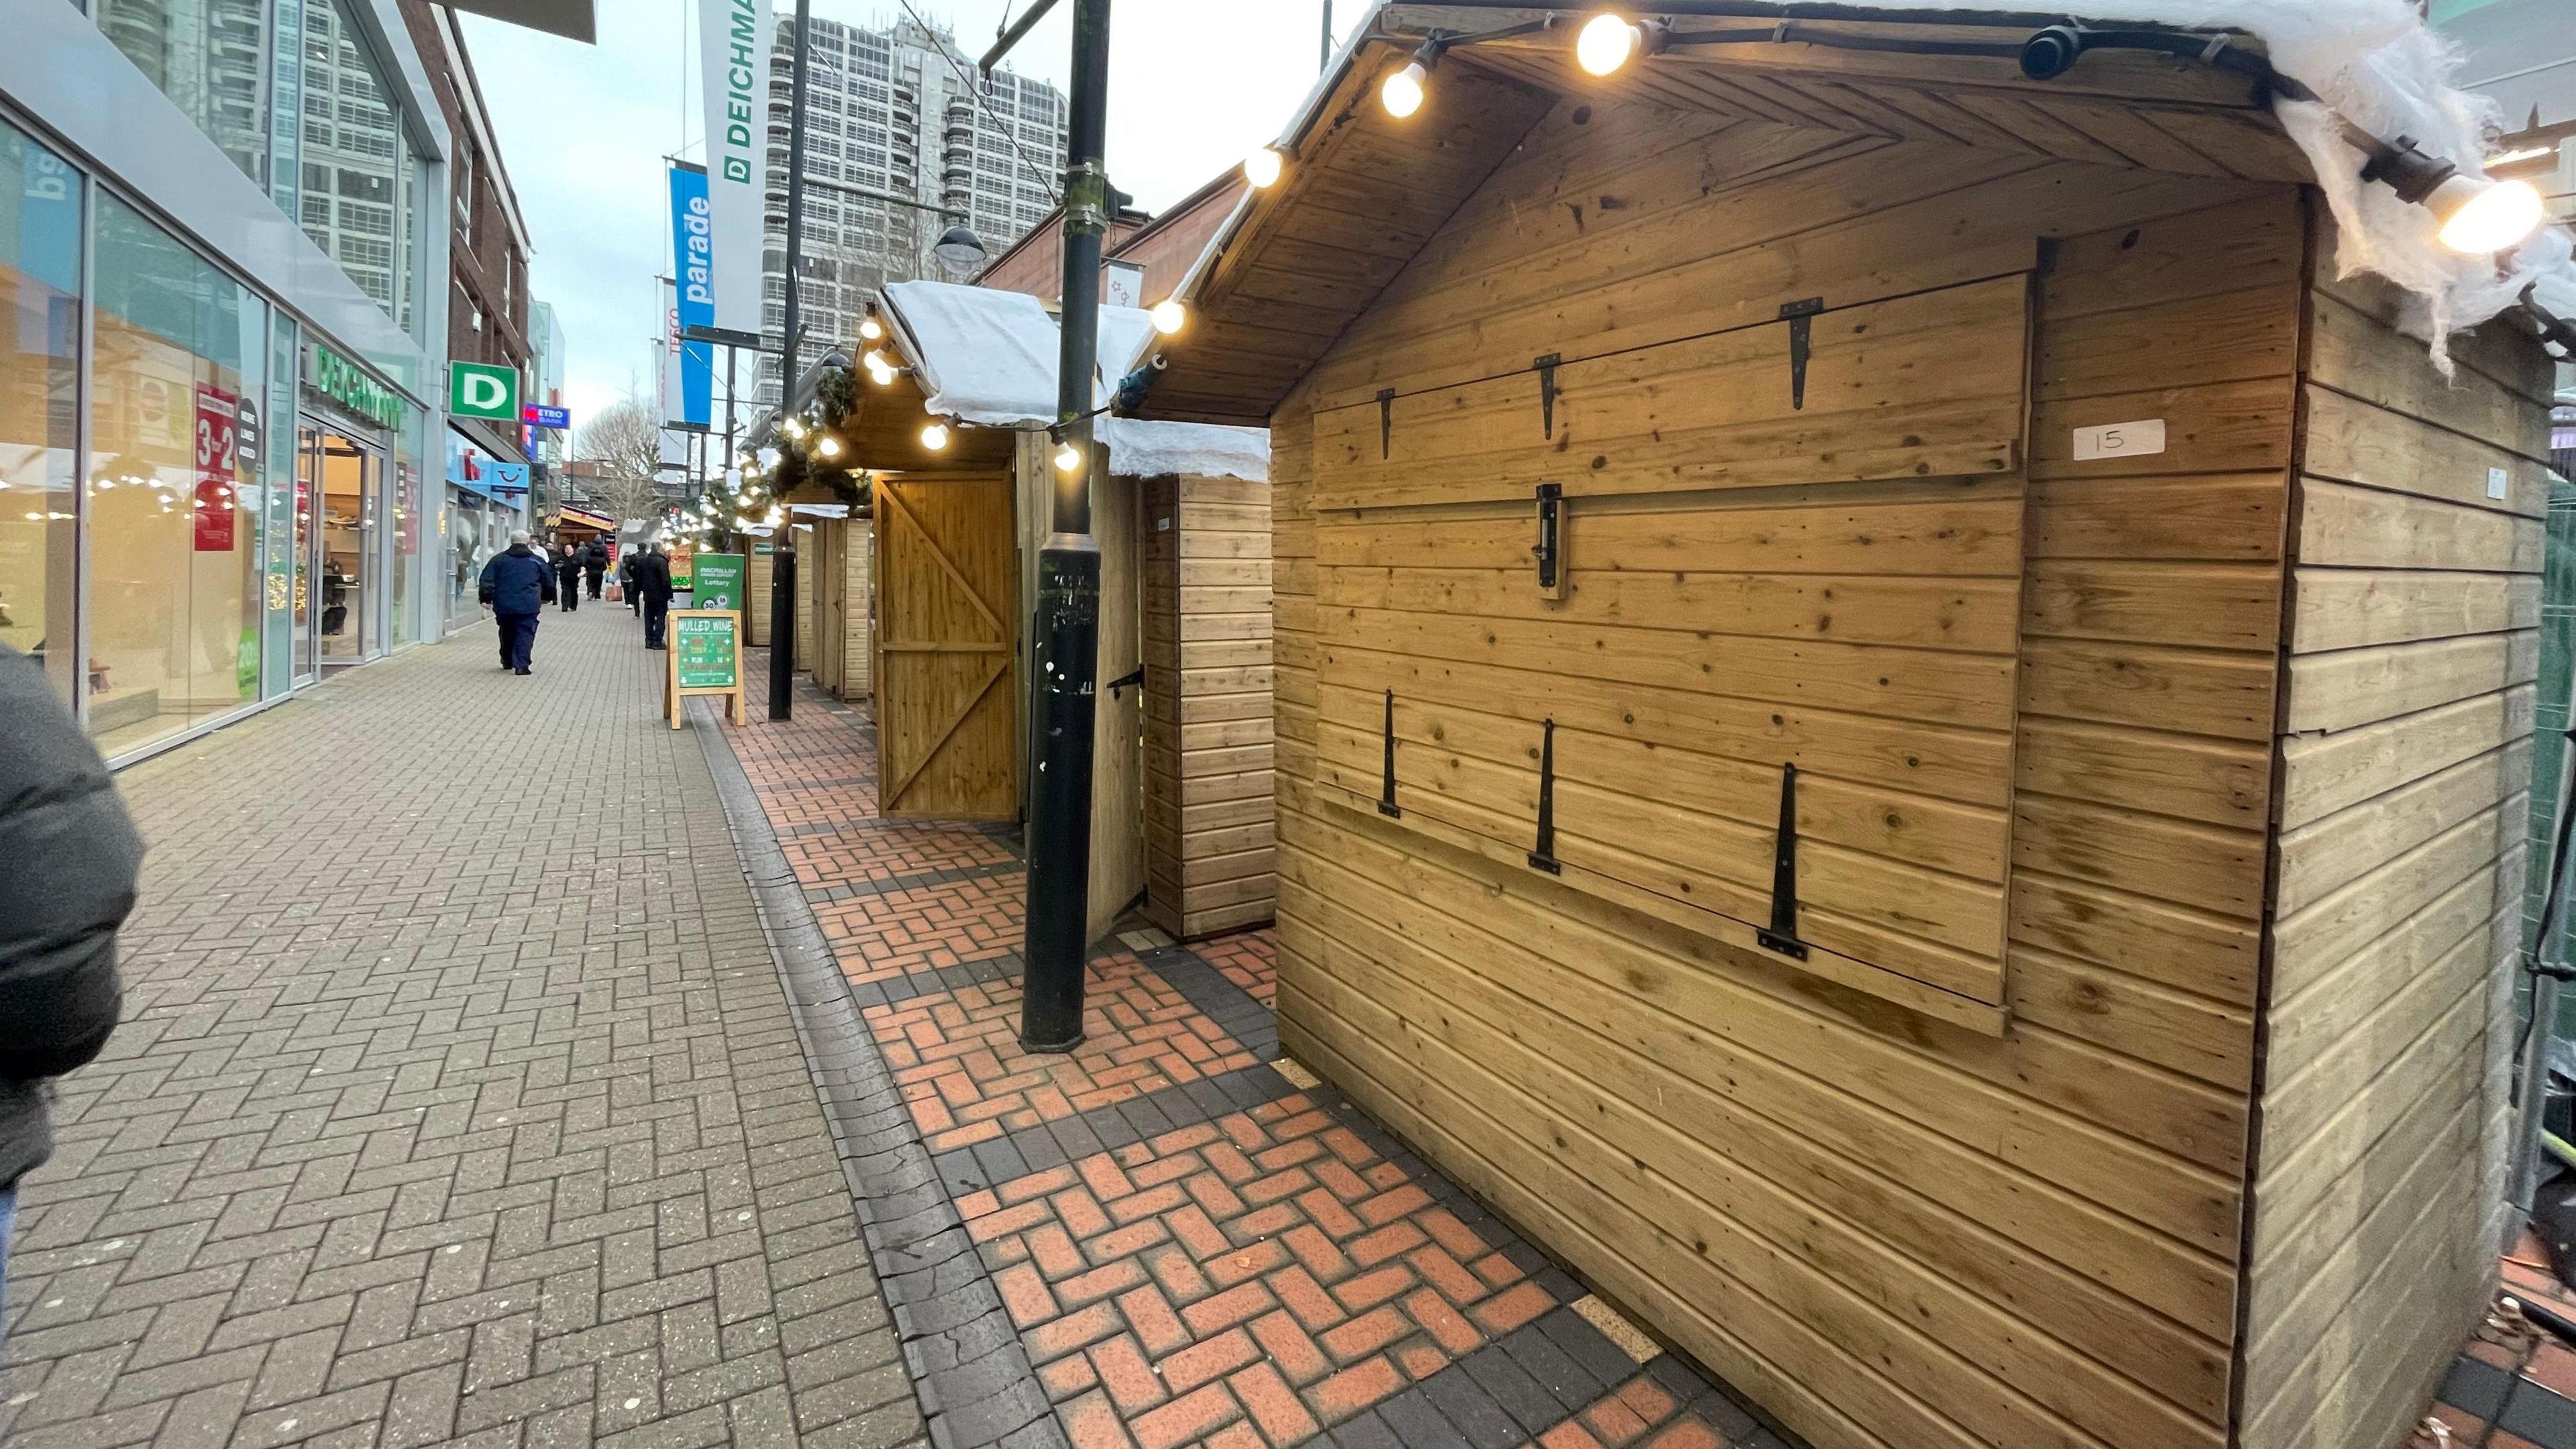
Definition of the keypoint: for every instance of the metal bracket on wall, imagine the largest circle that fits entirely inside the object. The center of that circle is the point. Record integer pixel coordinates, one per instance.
(1783, 934)
(1544, 855)
(1801, 317)
(1547, 390)
(1386, 423)
(1386, 789)
(1135, 676)
(1550, 548)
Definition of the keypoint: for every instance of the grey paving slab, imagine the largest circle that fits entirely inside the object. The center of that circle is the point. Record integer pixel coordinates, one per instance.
(458, 1098)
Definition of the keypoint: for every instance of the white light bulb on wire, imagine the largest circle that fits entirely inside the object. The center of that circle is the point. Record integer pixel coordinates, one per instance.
(2480, 217)
(1607, 42)
(871, 330)
(1402, 94)
(1068, 459)
(1262, 167)
(1170, 316)
(935, 437)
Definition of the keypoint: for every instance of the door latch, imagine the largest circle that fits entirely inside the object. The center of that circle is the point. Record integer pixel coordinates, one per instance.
(1550, 548)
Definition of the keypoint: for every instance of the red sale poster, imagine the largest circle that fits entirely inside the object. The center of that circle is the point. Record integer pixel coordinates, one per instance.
(218, 418)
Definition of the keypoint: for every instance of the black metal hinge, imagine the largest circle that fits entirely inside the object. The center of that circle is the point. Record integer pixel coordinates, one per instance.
(1547, 390)
(1386, 423)
(1386, 789)
(1544, 854)
(1135, 676)
(1783, 935)
(1550, 548)
(1801, 317)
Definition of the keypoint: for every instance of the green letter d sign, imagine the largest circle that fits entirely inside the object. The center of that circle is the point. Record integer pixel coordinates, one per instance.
(479, 390)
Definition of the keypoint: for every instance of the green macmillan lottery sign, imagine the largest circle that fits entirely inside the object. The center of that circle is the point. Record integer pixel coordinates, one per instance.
(707, 652)
(719, 582)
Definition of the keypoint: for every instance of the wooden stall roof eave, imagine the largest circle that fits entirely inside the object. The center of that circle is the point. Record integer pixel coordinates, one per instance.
(883, 434)
(1255, 331)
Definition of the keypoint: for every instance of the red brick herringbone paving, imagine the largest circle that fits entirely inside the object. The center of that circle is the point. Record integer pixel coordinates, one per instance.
(1192, 1257)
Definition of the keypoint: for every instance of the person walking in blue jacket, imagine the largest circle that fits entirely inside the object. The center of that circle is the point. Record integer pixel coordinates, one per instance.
(517, 583)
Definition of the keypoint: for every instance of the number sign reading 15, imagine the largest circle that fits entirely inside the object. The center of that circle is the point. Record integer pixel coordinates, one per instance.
(2120, 440)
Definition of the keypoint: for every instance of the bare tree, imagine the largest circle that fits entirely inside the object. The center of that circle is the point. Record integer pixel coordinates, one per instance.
(624, 445)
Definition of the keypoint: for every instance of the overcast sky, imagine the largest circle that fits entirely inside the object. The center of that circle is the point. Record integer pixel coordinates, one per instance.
(1194, 86)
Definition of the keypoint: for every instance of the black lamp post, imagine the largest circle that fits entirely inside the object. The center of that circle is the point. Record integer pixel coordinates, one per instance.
(782, 549)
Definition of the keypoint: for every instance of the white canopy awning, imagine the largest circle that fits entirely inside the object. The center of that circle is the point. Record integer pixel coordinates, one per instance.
(988, 357)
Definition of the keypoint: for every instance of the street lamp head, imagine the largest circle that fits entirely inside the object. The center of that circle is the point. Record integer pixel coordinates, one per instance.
(959, 249)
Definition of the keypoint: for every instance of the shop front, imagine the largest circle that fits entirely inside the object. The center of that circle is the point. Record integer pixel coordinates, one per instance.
(199, 508)
(486, 500)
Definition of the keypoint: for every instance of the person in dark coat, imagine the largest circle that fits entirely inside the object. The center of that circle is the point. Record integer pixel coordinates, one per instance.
(71, 856)
(653, 584)
(594, 564)
(626, 581)
(517, 583)
(567, 562)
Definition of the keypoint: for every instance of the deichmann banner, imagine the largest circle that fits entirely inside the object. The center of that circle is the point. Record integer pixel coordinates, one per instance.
(693, 262)
(735, 37)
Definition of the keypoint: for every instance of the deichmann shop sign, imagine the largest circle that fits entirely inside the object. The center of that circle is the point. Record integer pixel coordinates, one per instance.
(349, 385)
(734, 38)
(481, 390)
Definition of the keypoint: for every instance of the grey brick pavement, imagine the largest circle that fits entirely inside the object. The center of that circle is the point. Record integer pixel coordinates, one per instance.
(457, 1100)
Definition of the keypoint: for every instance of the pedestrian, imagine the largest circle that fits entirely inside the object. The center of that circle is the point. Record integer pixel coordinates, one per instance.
(516, 584)
(626, 580)
(653, 582)
(69, 881)
(567, 564)
(594, 564)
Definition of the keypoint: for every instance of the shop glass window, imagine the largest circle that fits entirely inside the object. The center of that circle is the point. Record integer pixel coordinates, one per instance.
(40, 262)
(211, 58)
(174, 498)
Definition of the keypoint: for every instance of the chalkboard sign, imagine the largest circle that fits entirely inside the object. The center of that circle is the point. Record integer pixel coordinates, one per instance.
(706, 658)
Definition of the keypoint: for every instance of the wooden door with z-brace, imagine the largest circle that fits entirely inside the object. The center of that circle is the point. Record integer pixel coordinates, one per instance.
(948, 742)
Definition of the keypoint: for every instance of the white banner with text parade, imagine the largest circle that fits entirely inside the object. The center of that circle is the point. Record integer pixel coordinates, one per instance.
(736, 37)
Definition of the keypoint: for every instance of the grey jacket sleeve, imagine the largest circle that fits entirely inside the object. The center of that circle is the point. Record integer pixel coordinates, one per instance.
(68, 863)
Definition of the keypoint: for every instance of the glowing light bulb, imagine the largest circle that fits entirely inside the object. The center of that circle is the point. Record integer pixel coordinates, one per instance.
(1402, 93)
(1170, 316)
(2486, 216)
(935, 437)
(871, 330)
(1068, 459)
(1262, 167)
(829, 447)
(792, 428)
(1606, 43)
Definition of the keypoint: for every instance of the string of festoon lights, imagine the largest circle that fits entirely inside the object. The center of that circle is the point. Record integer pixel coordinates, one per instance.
(2473, 215)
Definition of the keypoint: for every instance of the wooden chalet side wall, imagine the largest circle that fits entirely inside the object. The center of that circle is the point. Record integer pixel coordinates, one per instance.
(858, 594)
(1210, 847)
(2405, 772)
(1890, 1231)
(756, 574)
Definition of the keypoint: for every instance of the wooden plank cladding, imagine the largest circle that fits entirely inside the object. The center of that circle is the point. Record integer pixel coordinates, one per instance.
(1211, 848)
(1814, 520)
(2405, 779)
(2149, 760)
(1922, 386)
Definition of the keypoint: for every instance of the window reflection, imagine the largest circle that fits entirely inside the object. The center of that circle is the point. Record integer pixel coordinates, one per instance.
(174, 504)
(211, 58)
(40, 259)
